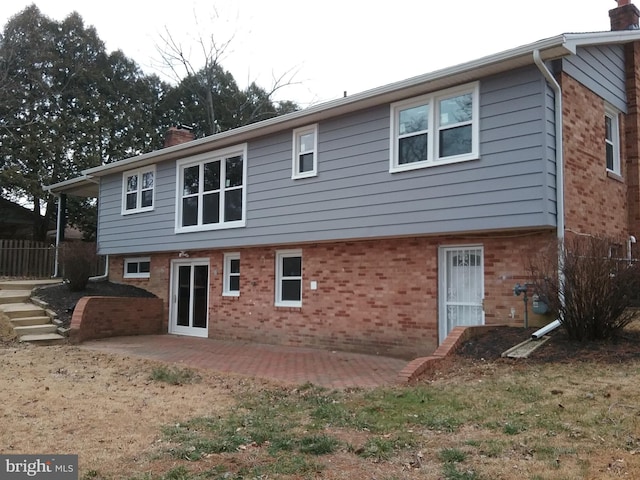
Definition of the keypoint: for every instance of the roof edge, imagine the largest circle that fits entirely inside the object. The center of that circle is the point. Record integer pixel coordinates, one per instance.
(549, 48)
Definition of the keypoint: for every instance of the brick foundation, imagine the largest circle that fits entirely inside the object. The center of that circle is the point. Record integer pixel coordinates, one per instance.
(373, 296)
(102, 317)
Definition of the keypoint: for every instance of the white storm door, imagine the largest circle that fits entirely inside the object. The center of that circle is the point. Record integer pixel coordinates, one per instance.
(461, 288)
(189, 298)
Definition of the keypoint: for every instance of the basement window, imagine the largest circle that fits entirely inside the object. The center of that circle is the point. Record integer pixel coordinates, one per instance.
(139, 267)
(231, 276)
(289, 278)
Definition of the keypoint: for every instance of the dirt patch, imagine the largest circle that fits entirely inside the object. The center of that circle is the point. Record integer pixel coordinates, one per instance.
(104, 407)
(62, 301)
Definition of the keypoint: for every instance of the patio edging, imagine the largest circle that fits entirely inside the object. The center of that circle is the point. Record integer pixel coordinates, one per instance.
(421, 365)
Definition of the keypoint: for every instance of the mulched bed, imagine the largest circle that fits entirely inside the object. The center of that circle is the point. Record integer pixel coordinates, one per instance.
(491, 345)
(62, 301)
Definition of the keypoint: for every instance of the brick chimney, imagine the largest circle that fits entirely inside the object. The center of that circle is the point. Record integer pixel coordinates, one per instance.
(178, 135)
(625, 17)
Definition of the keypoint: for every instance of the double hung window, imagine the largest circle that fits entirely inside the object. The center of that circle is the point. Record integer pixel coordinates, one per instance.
(138, 190)
(612, 140)
(435, 129)
(212, 191)
(231, 277)
(305, 152)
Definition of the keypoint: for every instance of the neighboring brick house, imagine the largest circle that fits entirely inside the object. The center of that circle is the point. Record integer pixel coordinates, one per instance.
(378, 222)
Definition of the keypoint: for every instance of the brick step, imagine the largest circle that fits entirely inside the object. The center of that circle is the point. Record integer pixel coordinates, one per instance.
(43, 339)
(21, 310)
(26, 321)
(35, 329)
(14, 296)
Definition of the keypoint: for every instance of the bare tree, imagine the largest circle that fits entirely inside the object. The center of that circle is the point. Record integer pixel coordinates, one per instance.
(214, 90)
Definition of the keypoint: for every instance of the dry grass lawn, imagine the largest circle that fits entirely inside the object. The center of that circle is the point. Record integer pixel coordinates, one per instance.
(473, 420)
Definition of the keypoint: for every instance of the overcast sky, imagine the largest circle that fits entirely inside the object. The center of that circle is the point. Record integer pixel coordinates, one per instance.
(333, 45)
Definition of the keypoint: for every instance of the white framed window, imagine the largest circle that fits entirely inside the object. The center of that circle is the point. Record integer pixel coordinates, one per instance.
(289, 278)
(138, 190)
(211, 190)
(612, 140)
(231, 275)
(139, 267)
(435, 129)
(305, 152)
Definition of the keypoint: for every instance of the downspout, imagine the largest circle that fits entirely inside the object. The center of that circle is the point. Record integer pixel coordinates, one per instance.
(105, 275)
(559, 185)
(56, 263)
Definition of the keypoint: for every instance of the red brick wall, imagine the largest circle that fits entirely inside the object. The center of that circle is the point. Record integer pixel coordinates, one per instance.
(595, 201)
(631, 144)
(374, 296)
(157, 283)
(624, 17)
(102, 317)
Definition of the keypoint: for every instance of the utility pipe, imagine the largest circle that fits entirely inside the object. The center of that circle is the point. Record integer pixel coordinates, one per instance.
(630, 241)
(538, 334)
(560, 223)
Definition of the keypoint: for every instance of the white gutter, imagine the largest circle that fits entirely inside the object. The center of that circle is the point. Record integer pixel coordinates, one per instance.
(559, 186)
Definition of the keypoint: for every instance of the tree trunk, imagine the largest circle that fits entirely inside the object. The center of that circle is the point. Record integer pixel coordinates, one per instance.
(212, 114)
(39, 223)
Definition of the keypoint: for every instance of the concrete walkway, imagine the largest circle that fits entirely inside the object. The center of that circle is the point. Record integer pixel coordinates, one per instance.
(289, 365)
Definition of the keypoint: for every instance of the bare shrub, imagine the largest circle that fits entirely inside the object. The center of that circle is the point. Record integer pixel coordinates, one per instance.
(594, 290)
(77, 259)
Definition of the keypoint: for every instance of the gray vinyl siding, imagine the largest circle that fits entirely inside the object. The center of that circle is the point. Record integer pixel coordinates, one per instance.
(602, 70)
(354, 196)
(550, 149)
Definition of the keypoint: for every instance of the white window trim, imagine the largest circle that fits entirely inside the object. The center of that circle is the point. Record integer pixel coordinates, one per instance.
(613, 114)
(280, 255)
(295, 164)
(139, 172)
(137, 260)
(226, 275)
(433, 128)
(203, 158)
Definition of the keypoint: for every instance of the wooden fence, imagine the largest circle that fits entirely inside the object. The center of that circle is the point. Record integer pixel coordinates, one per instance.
(30, 259)
(26, 258)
